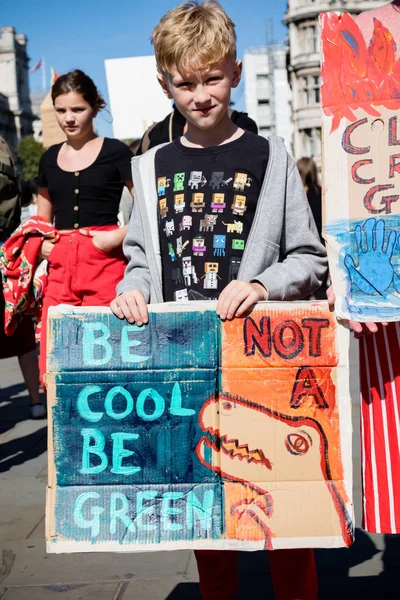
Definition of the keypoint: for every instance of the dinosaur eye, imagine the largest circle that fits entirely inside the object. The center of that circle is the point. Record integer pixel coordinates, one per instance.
(297, 444)
(227, 405)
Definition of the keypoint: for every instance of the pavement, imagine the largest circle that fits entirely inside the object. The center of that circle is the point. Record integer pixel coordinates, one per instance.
(369, 569)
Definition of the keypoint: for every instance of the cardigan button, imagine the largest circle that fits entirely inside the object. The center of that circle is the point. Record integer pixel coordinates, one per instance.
(76, 225)
(76, 191)
(76, 173)
(76, 207)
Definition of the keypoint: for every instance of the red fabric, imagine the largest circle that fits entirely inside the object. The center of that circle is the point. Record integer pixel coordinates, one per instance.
(293, 573)
(380, 429)
(23, 286)
(80, 274)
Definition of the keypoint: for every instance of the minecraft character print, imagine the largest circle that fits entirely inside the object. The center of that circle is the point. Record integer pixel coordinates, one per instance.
(196, 179)
(237, 244)
(179, 182)
(217, 179)
(219, 245)
(189, 272)
(218, 203)
(211, 276)
(235, 227)
(162, 185)
(208, 223)
(179, 203)
(186, 223)
(234, 265)
(177, 277)
(163, 207)
(181, 295)
(239, 205)
(169, 227)
(198, 247)
(197, 204)
(179, 246)
(171, 251)
(241, 181)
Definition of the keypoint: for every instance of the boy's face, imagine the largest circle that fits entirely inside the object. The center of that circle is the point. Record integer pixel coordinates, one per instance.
(203, 96)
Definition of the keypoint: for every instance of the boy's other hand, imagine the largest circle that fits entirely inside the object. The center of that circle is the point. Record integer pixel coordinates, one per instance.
(131, 306)
(359, 329)
(238, 297)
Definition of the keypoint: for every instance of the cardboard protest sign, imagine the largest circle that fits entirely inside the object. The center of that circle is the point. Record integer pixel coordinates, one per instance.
(193, 433)
(361, 166)
(51, 131)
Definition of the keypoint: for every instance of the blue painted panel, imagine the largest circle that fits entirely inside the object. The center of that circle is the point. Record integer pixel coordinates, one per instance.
(97, 426)
(147, 514)
(100, 341)
(369, 257)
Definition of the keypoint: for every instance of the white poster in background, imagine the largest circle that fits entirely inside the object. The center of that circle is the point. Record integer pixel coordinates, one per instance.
(136, 98)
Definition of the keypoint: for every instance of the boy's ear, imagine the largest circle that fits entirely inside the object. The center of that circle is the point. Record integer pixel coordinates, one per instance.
(163, 81)
(237, 73)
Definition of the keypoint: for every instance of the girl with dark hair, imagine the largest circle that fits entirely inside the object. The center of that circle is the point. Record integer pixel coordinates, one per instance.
(80, 184)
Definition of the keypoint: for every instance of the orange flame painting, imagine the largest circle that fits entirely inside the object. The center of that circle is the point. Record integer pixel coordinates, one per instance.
(356, 74)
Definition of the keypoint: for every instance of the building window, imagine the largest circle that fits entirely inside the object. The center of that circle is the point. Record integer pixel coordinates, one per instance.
(263, 89)
(309, 90)
(316, 89)
(264, 113)
(309, 39)
(311, 142)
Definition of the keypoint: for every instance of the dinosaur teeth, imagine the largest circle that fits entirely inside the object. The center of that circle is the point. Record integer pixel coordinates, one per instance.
(233, 449)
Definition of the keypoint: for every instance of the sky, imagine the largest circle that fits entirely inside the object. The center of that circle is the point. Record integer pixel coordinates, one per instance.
(83, 34)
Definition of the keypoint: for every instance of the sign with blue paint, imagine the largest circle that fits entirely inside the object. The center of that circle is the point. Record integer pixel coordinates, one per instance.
(170, 435)
(361, 174)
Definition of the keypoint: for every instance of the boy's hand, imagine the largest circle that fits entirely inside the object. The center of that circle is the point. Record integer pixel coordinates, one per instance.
(238, 297)
(131, 306)
(359, 329)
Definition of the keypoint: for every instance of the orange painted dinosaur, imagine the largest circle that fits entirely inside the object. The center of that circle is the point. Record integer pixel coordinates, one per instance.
(267, 451)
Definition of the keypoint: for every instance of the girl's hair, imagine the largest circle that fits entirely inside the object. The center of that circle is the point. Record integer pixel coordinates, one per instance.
(308, 172)
(77, 81)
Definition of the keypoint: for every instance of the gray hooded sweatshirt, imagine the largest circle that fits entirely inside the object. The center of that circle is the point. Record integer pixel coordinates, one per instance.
(283, 251)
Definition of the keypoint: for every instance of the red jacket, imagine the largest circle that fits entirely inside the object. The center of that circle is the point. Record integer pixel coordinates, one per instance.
(23, 283)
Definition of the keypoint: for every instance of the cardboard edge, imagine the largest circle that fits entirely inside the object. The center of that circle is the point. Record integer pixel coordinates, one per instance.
(59, 546)
(191, 306)
(51, 401)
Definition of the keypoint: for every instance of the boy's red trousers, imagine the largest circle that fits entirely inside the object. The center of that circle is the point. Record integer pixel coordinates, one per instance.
(80, 274)
(293, 573)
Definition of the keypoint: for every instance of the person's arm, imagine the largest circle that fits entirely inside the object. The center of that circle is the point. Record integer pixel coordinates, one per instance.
(133, 292)
(108, 240)
(45, 210)
(305, 262)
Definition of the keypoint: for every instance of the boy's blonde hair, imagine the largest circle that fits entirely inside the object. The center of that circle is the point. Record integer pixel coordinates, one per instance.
(194, 36)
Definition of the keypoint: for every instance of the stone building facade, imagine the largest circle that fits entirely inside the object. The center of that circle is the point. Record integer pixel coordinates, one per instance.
(267, 91)
(16, 115)
(304, 67)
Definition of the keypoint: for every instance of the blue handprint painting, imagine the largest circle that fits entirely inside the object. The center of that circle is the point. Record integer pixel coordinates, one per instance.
(374, 273)
(369, 257)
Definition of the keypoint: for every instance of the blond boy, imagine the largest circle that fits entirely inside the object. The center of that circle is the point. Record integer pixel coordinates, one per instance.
(274, 254)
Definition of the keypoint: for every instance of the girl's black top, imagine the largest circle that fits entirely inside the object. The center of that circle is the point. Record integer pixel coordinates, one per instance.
(90, 196)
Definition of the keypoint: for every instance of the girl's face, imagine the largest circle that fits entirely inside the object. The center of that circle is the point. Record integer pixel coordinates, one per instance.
(74, 115)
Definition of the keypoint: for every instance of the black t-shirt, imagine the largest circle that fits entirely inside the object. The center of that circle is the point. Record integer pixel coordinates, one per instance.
(90, 196)
(207, 198)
